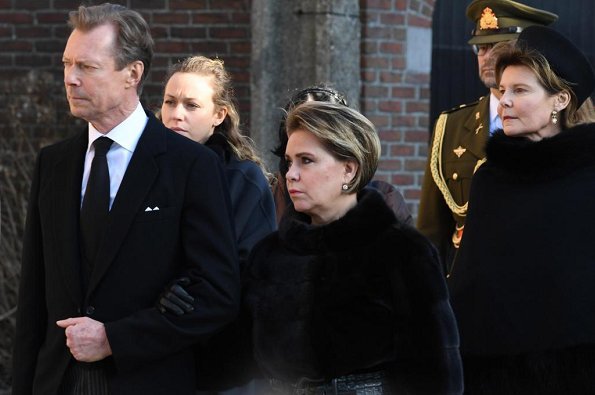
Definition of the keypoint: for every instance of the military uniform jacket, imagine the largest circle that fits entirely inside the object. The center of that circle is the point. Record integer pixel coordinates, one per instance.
(456, 150)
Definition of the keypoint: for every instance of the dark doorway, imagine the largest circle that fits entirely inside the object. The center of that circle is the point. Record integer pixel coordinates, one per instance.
(454, 67)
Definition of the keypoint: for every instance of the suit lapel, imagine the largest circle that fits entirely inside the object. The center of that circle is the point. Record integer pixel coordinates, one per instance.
(68, 173)
(140, 175)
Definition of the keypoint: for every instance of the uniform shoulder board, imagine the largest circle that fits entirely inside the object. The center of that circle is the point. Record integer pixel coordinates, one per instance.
(460, 107)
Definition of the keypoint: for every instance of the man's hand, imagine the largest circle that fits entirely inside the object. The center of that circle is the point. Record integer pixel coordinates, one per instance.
(86, 339)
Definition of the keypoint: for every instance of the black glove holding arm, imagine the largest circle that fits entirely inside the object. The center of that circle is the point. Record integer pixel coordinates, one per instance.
(174, 299)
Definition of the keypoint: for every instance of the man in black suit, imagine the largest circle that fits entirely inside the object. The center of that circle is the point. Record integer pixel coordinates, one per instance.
(86, 319)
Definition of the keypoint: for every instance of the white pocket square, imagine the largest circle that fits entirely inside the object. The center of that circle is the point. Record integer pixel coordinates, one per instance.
(156, 208)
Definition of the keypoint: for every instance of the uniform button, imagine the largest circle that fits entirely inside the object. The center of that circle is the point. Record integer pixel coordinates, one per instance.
(90, 310)
(455, 176)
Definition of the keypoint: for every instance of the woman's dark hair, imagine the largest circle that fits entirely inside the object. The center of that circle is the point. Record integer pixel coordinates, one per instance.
(321, 92)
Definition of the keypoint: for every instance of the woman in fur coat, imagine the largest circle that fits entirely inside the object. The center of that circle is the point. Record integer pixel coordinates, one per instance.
(522, 284)
(344, 298)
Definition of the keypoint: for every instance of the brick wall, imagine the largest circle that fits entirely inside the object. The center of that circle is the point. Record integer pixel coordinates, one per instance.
(33, 34)
(394, 98)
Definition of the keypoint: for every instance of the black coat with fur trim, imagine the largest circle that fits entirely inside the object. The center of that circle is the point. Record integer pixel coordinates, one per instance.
(361, 293)
(523, 284)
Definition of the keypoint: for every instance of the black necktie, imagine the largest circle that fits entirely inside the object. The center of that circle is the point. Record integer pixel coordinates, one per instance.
(95, 204)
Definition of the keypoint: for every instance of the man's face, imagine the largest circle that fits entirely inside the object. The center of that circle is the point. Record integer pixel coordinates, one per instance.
(95, 90)
(486, 65)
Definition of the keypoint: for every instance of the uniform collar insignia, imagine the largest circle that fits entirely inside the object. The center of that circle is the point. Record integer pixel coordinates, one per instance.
(459, 151)
(488, 19)
(477, 115)
(479, 128)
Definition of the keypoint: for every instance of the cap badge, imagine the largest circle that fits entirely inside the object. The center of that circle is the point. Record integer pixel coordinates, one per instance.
(458, 152)
(488, 19)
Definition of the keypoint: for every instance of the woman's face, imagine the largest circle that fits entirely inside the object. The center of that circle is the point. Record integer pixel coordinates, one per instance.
(188, 107)
(315, 178)
(525, 107)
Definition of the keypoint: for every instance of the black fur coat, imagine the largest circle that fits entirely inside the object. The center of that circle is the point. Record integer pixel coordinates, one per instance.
(359, 294)
(523, 284)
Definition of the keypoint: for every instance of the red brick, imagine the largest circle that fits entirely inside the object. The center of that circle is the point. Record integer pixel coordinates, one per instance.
(375, 91)
(369, 47)
(231, 5)
(211, 17)
(391, 76)
(392, 19)
(147, 4)
(33, 32)
(382, 33)
(374, 62)
(240, 47)
(416, 106)
(209, 47)
(230, 32)
(380, 121)
(369, 76)
(16, 17)
(33, 60)
(412, 136)
(419, 21)
(69, 4)
(400, 92)
(188, 4)
(390, 135)
(378, 4)
(390, 164)
(392, 48)
(417, 78)
(402, 179)
(399, 63)
(159, 32)
(404, 120)
(415, 164)
(393, 106)
(400, 150)
(412, 194)
(52, 17)
(188, 32)
(171, 17)
(401, 5)
(241, 17)
(172, 47)
(51, 46)
(13, 45)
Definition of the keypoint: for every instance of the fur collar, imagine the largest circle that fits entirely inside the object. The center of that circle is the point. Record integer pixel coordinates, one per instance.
(524, 160)
(362, 223)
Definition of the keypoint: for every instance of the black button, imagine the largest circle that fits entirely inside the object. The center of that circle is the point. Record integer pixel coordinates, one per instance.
(90, 310)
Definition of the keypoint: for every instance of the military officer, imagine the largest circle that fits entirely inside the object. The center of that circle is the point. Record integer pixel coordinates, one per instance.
(460, 134)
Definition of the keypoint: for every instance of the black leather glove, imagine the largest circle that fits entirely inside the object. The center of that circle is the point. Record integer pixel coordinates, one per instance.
(174, 299)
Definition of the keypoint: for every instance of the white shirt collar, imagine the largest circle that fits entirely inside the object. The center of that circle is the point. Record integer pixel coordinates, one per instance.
(493, 107)
(127, 133)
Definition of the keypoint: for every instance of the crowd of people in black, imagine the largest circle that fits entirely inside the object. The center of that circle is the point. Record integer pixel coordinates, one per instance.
(161, 256)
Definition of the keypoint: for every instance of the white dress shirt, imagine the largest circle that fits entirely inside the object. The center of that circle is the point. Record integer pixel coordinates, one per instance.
(125, 137)
(495, 121)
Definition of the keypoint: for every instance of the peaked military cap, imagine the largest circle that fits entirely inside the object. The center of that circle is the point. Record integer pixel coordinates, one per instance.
(503, 20)
(565, 59)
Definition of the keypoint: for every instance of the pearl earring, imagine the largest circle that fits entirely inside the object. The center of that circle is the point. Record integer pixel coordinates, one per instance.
(554, 117)
(345, 187)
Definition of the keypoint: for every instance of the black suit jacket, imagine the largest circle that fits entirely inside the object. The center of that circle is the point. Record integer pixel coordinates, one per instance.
(191, 233)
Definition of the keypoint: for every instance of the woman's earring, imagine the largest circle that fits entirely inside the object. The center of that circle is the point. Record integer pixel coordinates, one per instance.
(554, 117)
(345, 187)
